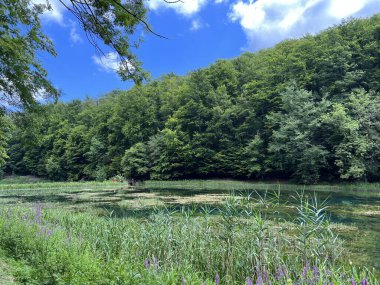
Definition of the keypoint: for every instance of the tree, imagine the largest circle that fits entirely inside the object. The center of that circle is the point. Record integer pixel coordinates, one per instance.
(135, 163)
(294, 145)
(23, 78)
(4, 137)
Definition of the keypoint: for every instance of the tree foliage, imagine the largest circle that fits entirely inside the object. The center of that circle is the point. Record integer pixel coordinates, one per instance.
(305, 109)
(22, 77)
(112, 23)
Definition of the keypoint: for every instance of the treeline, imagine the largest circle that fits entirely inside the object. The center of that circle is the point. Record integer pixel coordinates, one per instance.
(307, 109)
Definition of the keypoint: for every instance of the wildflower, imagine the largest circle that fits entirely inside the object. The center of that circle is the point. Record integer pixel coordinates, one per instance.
(265, 275)
(304, 271)
(38, 214)
(315, 272)
(49, 232)
(364, 281)
(217, 279)
(281, 272)
(259, 280)
(353, 282)
(249, 281)
(147, 263)
(156, 263)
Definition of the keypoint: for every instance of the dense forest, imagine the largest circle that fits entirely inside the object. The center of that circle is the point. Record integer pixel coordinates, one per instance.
(307, 110)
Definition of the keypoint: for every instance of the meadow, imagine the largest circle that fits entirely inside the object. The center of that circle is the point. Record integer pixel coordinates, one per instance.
(178, 232)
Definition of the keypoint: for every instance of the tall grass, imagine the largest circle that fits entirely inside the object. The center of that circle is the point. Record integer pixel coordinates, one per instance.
(55, 187)
(232, 244)
(232, 185)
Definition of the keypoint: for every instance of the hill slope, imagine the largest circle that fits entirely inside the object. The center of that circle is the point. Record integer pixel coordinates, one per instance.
(306, 109)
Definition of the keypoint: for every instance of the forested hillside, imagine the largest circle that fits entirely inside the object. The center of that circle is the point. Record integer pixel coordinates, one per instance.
(307, 109)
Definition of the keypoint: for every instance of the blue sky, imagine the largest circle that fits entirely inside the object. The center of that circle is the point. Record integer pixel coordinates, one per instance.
(199, 31)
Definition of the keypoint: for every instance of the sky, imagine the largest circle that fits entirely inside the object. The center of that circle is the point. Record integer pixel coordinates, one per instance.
(199, 33)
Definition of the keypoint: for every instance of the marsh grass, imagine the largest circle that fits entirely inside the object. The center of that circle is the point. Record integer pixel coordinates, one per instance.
(58, 186)
(235, 241)
(232, 185)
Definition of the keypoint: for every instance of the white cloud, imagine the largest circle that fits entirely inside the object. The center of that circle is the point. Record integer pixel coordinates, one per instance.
(183, 7)
(345, 8)
(56, 12)
(267, 22)
(111, 63)
(108, 62)
(74, 35)
(195, 25)
(269, 15)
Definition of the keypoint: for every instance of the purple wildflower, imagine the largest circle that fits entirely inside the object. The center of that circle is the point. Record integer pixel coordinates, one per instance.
(315, 272)
(364, 281)
(147, 263)
(304, 271)
(249, 281)
(49, 232)
(265, 275)
(259, 280)
(353, 282)
(38, 218)
(281, 272)
(217, 279)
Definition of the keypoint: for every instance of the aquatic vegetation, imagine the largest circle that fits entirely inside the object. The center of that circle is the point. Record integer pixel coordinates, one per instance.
(232, 244)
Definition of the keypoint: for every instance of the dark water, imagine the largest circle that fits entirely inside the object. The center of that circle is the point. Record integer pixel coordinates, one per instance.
(357, 217)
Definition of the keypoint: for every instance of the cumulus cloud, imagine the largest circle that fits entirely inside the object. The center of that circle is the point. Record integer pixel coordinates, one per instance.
(111, 63)
(267, 22)
(54, 14)
(74, 35)
(184, 7)
(108, 62)
(344, 8)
